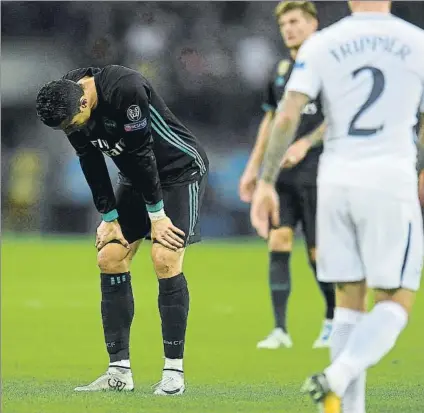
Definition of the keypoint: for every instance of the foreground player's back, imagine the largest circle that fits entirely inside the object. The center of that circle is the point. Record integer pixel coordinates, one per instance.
(371, 73)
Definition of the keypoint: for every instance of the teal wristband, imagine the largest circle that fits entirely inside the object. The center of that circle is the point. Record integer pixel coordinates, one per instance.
(110, 216)
(155, 208)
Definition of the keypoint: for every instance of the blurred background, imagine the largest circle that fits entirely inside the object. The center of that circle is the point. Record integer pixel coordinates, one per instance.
(210, 61)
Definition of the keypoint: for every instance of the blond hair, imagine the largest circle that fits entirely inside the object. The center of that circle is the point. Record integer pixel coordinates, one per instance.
(308, 7)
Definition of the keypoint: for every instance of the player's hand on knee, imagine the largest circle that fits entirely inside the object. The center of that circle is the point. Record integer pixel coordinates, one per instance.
(265, 209)
(109, 231)
(295, 153)
(167, 234)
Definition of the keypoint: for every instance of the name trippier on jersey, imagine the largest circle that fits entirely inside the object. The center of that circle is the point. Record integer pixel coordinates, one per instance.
(371, 43)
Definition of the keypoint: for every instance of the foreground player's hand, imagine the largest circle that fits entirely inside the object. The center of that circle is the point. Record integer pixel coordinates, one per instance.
(109, 231)
(164, 232)
(295, 153)
(247, 185)
(265, 209)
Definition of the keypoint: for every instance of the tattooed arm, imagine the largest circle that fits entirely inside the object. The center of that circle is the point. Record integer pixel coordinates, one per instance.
(284, 127)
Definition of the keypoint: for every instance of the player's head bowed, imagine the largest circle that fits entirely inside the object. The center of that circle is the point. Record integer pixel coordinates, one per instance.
(58, 102)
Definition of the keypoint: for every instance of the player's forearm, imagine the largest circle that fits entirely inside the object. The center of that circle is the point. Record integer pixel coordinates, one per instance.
(316, 137)
(282, 133)
(97, 176)
(140, 167)
(258, 152)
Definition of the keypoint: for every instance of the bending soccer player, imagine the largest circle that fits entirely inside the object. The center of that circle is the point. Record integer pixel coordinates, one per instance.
(116, 112)
(296, 184)
(369, 69)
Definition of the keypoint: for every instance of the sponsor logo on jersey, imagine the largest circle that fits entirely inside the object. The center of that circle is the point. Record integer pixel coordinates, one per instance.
(299, 65)
(129, 127)
(105, 147)
(134, 113)
(109, 125)
(310, 109)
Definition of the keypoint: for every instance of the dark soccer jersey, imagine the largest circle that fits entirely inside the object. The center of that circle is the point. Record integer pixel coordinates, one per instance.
(306, 171)
(132, 125)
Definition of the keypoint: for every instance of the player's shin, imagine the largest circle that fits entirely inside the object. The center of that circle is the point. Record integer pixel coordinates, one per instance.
(373, 337)
(280, 285)
(117, 314)
(344, 322)
(173, 305)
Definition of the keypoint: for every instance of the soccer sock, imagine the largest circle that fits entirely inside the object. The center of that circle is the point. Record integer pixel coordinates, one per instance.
(117, 314)
(173, 304)
(373, 337)
(345, 321)
(327, 290)
(279, 281)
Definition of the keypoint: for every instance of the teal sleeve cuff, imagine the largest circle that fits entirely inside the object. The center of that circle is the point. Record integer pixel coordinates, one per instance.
(266, 107)
(110, 216)
(155, 208)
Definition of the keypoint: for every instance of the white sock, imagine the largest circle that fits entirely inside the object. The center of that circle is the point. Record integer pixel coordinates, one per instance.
(344, 323)
(372, 338)
(121, 363)
(174, 364)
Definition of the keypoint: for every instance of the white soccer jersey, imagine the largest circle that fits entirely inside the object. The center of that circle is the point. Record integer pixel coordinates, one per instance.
(369, 68)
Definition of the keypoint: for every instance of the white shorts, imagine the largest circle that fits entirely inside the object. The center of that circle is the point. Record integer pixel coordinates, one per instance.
(366, 234)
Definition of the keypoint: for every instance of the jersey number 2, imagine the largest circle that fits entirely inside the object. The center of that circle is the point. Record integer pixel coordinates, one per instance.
(376, 91)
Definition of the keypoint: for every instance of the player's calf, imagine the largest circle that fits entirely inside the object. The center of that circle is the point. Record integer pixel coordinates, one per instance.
(280, 244)
(173, 302)
(117, 306)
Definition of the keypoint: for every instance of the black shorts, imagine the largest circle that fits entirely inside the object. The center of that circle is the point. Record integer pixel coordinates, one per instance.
(182, 205)
(298, 203)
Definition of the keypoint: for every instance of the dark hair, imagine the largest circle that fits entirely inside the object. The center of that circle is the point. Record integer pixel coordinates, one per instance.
(58, 101)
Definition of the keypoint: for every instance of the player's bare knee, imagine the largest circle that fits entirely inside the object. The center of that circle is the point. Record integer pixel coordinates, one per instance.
(167, 263)
(352, 295)
(112, 259)
(405, 298)
(281, 239)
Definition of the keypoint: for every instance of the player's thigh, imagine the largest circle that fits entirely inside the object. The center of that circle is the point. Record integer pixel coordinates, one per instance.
(133, 217)
(281, 238)
(338, 257)
(390, 235)
(308, 205)
(183, 205)
(289, 205)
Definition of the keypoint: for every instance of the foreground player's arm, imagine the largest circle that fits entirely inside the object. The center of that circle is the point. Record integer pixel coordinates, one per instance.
(140, 166)
(286, 122)
(96, 174)
(139, 162)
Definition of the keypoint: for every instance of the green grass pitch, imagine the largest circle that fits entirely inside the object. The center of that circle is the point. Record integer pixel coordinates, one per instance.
(52, 338)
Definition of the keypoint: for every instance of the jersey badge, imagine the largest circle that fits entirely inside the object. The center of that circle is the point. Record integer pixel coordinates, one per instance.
(283, 67)
(134, 113)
